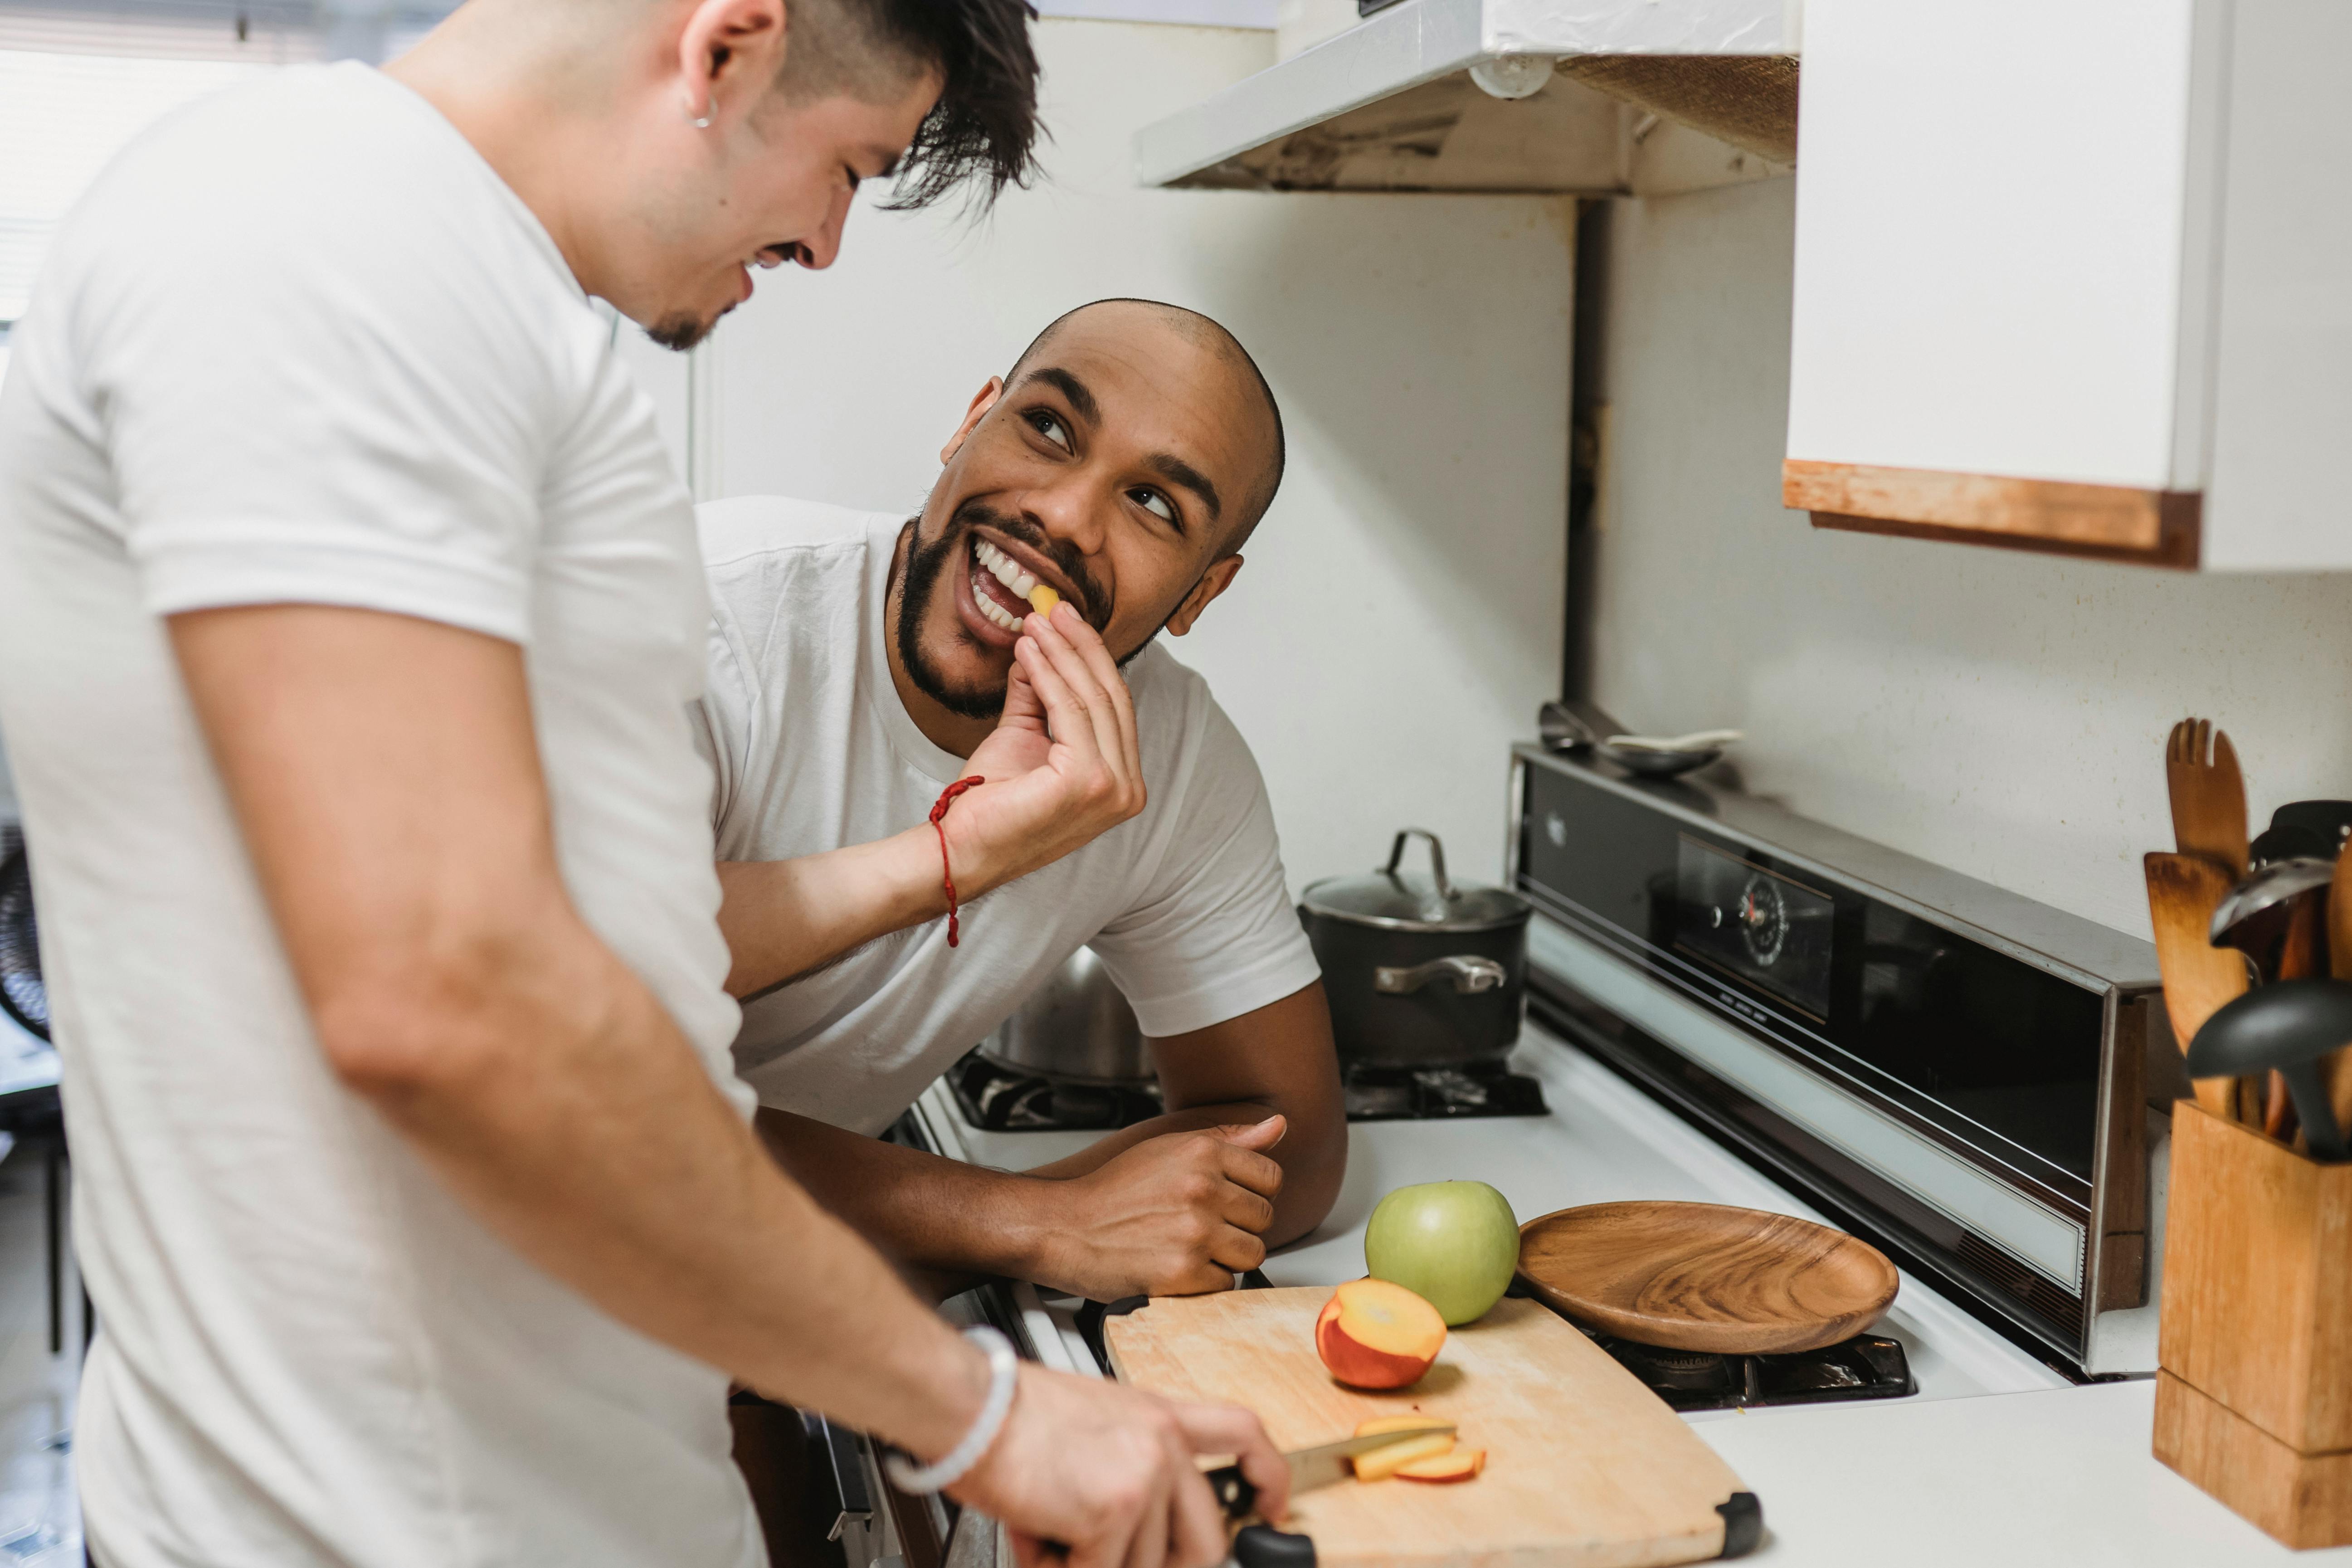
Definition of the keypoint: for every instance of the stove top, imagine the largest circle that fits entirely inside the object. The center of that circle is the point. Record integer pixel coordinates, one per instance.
(1867, 1366)
(1440, 1094)
(1604, 1141)
(998, 1098)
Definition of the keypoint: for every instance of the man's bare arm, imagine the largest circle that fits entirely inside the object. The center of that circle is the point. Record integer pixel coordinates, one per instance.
(1279, 1060)
(386, 778)
(1178, 1204)
(1062, 766)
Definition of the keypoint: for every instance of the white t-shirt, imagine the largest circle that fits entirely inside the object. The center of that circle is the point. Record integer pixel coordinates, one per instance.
(1186, 903)
(300, 344)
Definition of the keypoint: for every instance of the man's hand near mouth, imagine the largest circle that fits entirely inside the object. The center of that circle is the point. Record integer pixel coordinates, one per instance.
(1050, 788)
(1062, 767)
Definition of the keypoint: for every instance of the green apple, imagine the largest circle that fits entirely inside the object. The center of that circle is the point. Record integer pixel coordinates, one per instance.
(1453, 1244)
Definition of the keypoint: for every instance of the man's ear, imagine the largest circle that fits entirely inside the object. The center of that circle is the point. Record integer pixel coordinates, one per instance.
(981, 402)
(1214, 581)
(728, 55)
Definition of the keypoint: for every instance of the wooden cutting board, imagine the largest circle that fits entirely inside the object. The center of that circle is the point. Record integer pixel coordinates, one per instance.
(1584, 1466)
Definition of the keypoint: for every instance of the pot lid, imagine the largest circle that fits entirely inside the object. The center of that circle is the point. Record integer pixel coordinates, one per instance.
(1410, 900)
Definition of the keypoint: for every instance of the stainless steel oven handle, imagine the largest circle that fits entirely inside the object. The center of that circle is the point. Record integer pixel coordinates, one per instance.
(1469, 972)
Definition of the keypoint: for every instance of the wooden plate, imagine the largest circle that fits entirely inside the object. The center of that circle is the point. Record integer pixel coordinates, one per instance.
(1701, 1277)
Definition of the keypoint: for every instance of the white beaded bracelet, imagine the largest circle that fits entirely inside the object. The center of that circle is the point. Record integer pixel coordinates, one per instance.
(1004, 1376)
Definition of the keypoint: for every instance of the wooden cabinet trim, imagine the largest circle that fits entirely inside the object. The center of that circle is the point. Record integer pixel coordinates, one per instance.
(2105, 523)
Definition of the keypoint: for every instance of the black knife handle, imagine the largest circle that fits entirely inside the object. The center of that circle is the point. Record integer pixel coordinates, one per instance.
(1263, 1546)
(1232, 1491)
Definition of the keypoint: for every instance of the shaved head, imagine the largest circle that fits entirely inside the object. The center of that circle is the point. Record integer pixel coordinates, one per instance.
(1205, 333)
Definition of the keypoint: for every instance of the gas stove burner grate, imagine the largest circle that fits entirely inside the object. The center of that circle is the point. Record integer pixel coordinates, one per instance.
(998, 1100)
(1437, 1094)
(1868, 1366)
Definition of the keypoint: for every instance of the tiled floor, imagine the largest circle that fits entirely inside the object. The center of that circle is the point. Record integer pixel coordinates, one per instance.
(40, 1525)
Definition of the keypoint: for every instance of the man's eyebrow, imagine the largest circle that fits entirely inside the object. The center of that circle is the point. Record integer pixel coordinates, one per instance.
(1177, 471)
(1070, 387)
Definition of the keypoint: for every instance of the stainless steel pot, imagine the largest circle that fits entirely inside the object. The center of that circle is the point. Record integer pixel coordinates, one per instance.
(1421, 972)
(1075, 1029)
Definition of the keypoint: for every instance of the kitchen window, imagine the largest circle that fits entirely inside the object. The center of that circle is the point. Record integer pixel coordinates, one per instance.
(80, 77)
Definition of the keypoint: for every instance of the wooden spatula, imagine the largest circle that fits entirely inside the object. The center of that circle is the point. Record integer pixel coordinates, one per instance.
(2198, 978)
(2208, 796)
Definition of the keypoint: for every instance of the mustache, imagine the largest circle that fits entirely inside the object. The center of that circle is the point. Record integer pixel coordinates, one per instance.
(1095, 603)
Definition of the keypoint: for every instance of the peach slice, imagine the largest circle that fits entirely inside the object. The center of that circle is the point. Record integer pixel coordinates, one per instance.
(1382, 1463)
(1373, 1334)
(1458, 1465)
(1043, 599)
(1413, 1422)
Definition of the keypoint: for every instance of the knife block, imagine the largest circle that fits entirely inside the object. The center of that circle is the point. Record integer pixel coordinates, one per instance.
(2253, 1394)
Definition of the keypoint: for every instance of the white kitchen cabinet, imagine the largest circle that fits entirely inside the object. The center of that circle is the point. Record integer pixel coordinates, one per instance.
(1581, 97)
(2076, 275)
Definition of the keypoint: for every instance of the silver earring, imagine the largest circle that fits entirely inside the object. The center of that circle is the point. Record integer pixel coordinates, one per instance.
(702, 121)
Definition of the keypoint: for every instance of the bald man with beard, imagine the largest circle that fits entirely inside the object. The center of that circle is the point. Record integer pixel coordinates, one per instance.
(860, 663)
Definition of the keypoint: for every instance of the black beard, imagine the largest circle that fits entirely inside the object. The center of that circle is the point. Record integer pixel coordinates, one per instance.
(682, 329)
(927, 567)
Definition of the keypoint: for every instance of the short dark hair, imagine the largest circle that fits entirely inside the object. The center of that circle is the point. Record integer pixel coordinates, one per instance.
(982, 133)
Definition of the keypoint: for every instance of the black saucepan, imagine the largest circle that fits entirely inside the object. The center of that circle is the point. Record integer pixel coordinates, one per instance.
(1420, 971)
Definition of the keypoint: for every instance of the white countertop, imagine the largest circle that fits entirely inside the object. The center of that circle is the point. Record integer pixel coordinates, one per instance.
(2062, 1477)
(1999, 1462)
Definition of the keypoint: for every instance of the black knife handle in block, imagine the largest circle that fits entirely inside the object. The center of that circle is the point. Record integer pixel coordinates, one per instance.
(1263, 1546)
(1743, 1523)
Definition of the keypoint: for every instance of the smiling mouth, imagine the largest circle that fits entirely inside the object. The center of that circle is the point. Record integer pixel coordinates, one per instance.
(1000, 586)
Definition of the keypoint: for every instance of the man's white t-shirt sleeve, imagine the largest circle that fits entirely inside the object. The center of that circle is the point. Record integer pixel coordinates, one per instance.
(290, 424)
(1215, 935)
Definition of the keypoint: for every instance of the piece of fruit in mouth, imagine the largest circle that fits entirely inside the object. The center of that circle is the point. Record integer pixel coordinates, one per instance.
(1373, 1334)
(1043, 599)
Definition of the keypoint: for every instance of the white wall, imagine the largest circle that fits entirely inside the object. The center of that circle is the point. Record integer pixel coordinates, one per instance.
(2001, 713)
(1399, 619)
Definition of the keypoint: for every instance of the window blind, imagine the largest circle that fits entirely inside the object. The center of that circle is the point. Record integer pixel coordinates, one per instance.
(80, 77)
(268, 32)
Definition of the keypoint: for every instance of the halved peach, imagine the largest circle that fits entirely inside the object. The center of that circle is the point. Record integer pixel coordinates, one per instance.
(1382, 1463)
(1458, 1465)
(1373, 1334)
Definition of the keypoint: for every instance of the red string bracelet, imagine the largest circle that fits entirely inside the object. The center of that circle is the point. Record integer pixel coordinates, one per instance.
(947, 872)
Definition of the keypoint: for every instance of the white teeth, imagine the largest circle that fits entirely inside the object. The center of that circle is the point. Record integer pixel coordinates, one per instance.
(1008, 571)
(996, 614)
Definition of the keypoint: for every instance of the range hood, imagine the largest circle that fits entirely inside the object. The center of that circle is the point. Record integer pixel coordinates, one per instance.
(1583, 96)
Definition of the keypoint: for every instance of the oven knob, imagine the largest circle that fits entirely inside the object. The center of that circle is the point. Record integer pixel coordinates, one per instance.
(1763, 919)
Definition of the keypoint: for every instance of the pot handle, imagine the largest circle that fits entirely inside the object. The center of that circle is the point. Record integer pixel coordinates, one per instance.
(1469, 972)
(1436, 859)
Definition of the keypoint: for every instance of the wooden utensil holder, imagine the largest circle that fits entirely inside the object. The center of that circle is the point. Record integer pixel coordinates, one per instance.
(2253, 1394)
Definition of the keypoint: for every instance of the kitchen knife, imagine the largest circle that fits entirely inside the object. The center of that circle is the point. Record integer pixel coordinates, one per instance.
(1311, 1467)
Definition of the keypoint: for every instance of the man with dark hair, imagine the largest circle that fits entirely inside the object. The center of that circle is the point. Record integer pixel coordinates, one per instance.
(861, 663)
(349, 611)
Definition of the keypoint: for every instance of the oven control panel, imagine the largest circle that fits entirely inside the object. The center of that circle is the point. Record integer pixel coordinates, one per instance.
(1975, 1094)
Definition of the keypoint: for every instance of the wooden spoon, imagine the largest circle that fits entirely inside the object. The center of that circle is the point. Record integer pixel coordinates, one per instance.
(2183, 890)
(2208, 796)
